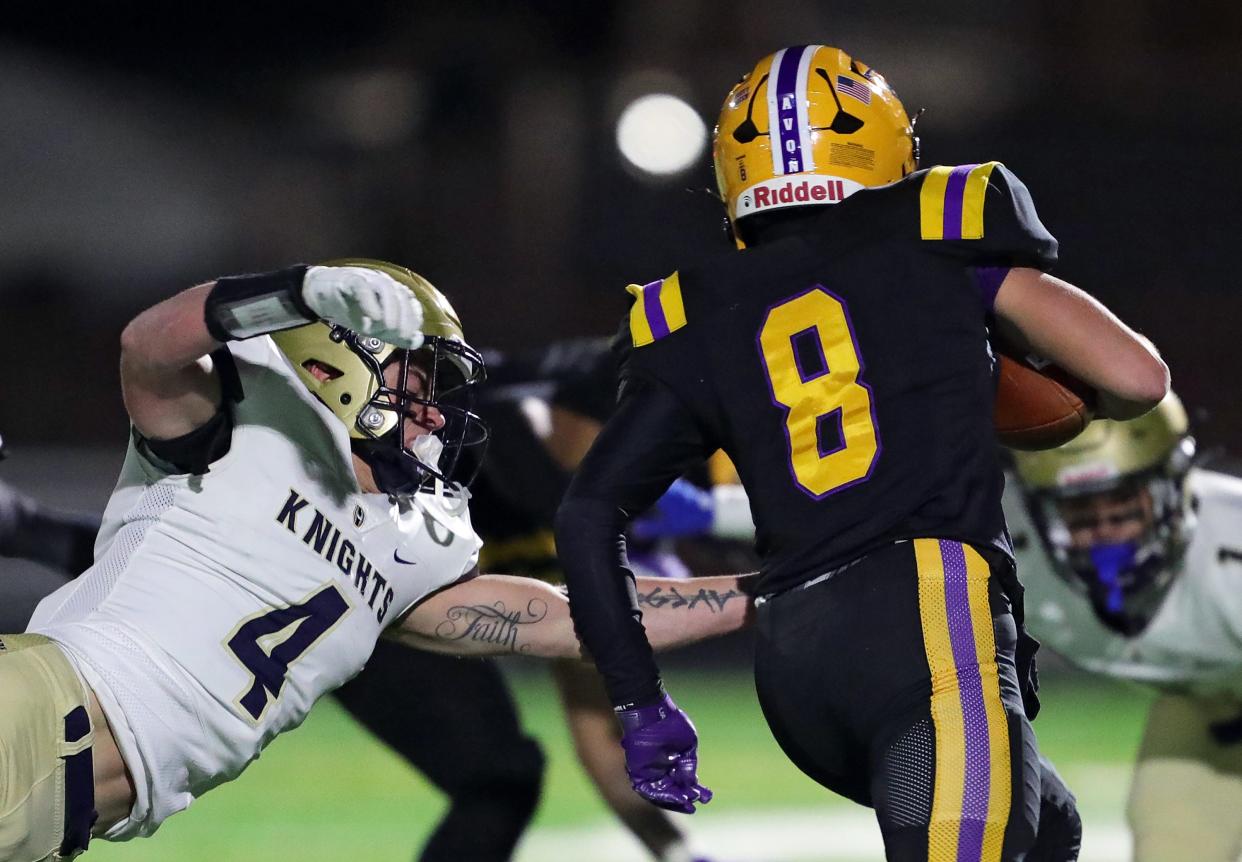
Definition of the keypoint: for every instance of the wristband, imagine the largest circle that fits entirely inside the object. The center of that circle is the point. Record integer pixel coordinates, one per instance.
(243, 306)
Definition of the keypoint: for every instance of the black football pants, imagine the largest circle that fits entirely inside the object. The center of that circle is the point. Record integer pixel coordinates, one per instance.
(893, 683)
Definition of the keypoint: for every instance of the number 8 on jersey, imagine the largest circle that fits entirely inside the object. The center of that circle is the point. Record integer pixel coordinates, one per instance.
(813, 368)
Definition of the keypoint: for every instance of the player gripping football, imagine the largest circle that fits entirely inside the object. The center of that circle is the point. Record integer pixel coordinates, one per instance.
(841, 359)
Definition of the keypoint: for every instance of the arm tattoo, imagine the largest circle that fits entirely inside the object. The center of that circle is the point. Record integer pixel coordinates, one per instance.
(493, 624)
(714, 600)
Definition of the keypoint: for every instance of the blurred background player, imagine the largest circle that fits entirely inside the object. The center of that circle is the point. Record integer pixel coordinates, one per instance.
(545, 407)
(62, 541)
(1132, 557)
(841, 360)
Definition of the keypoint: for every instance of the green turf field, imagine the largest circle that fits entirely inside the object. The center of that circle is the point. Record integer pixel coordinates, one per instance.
(327, 792)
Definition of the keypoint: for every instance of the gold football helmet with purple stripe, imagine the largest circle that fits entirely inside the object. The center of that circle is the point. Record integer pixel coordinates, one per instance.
(809, 125)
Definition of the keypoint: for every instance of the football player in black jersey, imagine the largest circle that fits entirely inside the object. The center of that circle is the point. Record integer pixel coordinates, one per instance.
(840, 357)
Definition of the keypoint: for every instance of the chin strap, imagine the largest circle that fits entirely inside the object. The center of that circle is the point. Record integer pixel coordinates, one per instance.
(394, 471)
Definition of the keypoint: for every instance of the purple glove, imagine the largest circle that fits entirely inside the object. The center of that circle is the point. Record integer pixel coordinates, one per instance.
(684, 510)
(661, 755)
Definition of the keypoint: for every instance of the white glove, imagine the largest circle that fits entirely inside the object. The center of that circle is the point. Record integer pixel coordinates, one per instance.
(366, 301)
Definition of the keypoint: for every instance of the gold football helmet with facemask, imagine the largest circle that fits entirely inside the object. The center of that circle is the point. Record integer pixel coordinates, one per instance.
(809, 125)
(345, 371)
(1115, 471)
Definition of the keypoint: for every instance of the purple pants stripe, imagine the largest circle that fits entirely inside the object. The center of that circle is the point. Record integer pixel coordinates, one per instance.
(655, 311)
(974, 715)
(787, 108)
(954, 196)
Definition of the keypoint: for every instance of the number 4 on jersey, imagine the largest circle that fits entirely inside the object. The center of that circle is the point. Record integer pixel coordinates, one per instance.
(268, 643)
(813, 367)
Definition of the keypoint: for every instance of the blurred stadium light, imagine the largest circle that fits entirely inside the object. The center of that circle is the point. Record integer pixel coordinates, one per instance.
(660, 134)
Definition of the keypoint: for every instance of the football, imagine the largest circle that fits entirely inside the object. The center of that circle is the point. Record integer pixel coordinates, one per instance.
(1039, 407)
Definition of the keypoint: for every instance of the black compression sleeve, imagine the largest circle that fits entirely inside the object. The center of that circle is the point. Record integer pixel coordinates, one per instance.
(649, 441)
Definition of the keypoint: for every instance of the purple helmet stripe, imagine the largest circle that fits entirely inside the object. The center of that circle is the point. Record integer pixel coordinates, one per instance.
(787, 145)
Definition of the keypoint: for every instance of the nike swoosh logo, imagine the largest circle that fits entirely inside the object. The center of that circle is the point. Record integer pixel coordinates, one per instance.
(397, 557)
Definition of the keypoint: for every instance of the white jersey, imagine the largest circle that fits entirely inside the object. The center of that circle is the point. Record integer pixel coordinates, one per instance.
(221, 607)
(1193, 643)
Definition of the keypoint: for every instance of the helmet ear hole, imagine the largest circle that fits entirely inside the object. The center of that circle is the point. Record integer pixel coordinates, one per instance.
(321, 370)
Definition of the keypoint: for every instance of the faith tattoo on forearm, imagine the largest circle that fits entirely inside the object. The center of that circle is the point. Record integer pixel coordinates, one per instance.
(713, 600)
(493, 624)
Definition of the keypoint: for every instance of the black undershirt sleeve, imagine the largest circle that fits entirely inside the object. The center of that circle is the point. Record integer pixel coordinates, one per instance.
(651, 439)
(195, 451)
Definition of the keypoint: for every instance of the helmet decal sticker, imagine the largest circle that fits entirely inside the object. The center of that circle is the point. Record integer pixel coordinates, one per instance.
(844, 123)
(746, 131)
(854, 89)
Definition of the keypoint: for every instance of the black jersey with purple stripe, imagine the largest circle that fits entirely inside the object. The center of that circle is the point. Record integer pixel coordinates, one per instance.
(843, 365)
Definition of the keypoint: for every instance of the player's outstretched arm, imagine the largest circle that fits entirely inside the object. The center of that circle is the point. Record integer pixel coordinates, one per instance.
(166, 373)
(508, 615)
(1062, 323)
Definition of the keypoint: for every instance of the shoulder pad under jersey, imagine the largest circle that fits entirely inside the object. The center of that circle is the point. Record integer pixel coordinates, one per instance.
(984, 212)
(657, 310)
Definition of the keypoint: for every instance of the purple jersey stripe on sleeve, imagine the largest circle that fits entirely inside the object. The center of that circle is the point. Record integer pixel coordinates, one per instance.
(655, 311)
(988, 280)
(954, 195)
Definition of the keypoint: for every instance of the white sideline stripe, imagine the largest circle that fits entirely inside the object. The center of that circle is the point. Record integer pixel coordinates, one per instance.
(770, 836)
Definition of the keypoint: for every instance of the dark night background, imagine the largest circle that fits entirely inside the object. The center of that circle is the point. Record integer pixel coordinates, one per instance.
(148, 146)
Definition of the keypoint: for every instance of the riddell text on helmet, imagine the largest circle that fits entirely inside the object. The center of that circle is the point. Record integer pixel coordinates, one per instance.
(794, 191)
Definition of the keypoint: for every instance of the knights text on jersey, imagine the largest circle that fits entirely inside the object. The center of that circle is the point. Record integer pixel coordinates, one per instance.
(222, 606)
(845, 368)
(1194, 641)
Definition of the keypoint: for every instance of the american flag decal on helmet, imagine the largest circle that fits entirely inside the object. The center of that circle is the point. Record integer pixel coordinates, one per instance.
(855, 89)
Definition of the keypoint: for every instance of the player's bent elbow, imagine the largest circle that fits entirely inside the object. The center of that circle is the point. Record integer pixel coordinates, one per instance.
(1144, 385)
(132, 343)
(140, 349)
(1154, 381)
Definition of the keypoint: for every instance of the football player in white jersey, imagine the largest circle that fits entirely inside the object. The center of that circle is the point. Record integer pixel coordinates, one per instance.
(288, 496)
(1132, 561)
